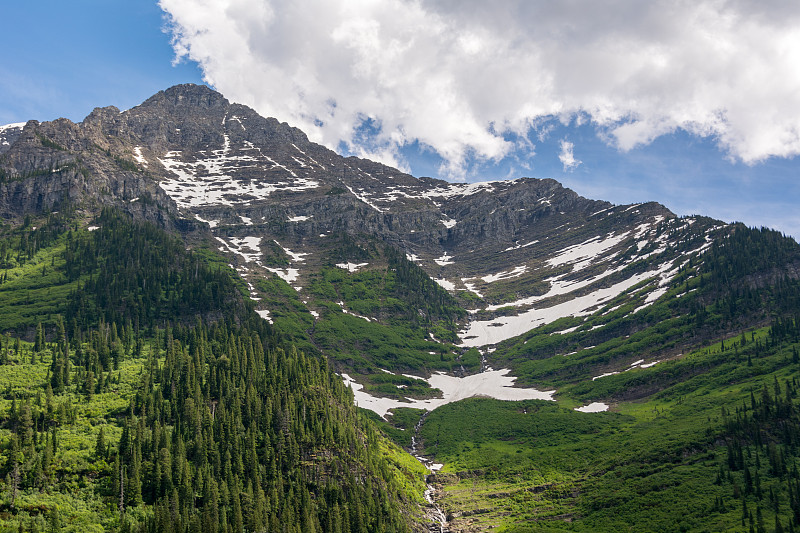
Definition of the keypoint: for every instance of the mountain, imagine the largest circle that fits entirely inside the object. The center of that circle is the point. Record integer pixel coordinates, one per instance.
(266, 192)
(191, 226)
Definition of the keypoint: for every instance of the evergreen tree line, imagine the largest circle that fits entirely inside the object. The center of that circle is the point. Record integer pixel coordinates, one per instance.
(745, 274)
(232, 434)
(428, 302)
(22, 244)
(227, 433)
(136, 271)
(762, 440)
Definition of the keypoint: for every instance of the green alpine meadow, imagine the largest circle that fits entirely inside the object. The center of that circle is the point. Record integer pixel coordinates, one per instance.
(211, 324)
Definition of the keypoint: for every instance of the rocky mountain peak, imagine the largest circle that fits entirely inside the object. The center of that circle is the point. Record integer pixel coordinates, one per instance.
(102, 114)
(275, 202)
(187, 96)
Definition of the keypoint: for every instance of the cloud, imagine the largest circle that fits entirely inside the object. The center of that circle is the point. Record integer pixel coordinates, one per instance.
(461, 77)
(566, 156)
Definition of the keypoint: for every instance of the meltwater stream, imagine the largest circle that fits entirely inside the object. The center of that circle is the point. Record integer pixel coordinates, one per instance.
(488, 383)
(439, 524)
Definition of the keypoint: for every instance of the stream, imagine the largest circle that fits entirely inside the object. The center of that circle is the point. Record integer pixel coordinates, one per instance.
(438, 517)
(490, 383)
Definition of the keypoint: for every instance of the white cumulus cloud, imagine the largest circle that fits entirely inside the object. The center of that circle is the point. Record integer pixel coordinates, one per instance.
(462, 77)
(567, 157)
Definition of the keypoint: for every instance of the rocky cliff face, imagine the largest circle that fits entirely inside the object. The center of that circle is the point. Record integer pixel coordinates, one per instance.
(55, 162)
(9, 135)
(189, 159)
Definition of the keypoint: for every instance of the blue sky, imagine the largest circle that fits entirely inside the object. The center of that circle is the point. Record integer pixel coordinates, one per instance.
(63, 59)
(695, 107)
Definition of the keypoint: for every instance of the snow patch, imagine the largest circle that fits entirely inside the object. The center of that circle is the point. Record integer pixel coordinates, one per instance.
(568, 330)
(211, 223)
(299, 257)
(240, 245)
(601, 211)
(471, 287)
(605, 375)
(13, 126)
(517, 246)
(239, 120)
(587, 251)
(483, 332)
(308, 156)
(345, 311)
(351, 267)
(212, 180)
(518, 271)
(8, 128)
(289, 275)
(495, 384)
(447, 285)
(264, 313)
(444, 260)
(594, 407)
(449, 223)
(137, 155)
(364, 199)
(459, 189)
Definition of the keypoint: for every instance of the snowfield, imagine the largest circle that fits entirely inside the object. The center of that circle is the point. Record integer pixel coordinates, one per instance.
(213, 180)
(587, 251)
(8, 128)
(483, 332)
(495, 384)
(592, 251)
(351, 267)
(594, 407)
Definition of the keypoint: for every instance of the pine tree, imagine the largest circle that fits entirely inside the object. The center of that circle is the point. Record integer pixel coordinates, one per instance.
(100, 445)
(38, 344)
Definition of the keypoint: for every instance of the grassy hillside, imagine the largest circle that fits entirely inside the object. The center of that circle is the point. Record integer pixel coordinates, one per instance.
(715, 449)
(704, 440)
(387, 314)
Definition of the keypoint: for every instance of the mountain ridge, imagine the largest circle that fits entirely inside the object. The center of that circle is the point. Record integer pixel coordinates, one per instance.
(187, 158)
